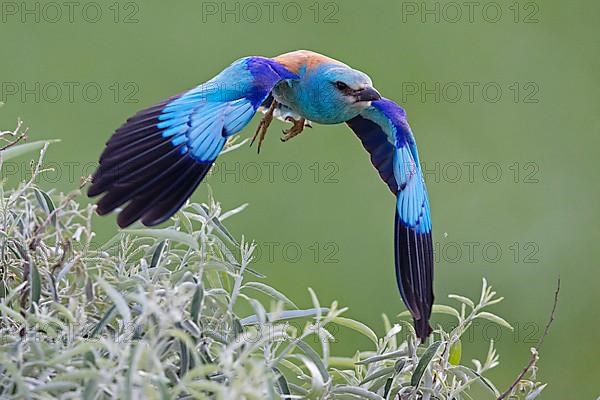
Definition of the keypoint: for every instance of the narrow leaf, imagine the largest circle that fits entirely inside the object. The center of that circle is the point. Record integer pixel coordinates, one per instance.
(377, 374)
(455, 353)
(272, 317)
(424, 363)
(357, 326)
(268, 290)
(496, 319)
(443, 309)
(157, 254)
(102, 323)
(462, 299)
(360, 392)
(386, 356)
(436, 309)
(282, 383)
(36, 285)
(167, 233)
(19, 150)
(196, 303)
(45, 202)
(118, 299)
(314, 357)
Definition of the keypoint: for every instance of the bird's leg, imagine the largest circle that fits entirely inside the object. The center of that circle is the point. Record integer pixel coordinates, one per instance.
(295, 130)
(263, 125)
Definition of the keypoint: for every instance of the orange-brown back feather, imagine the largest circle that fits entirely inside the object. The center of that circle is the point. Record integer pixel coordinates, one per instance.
(295, 60)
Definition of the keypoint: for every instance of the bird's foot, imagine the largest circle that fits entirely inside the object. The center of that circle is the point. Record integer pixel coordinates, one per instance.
(295, 130)
(263, 126)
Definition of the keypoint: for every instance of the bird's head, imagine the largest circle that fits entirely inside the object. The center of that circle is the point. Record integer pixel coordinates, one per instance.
(342, 93)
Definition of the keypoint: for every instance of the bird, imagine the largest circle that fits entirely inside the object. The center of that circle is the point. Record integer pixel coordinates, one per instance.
(153, 163)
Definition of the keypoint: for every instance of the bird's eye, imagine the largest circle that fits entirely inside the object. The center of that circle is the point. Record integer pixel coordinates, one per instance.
(341, 86)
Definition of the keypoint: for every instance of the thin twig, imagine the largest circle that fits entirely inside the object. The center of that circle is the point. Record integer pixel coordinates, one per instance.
(535, 351)
(16, 134)
(14, 142)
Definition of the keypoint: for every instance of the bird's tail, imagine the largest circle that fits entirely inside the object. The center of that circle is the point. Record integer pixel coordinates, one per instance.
(414, 273)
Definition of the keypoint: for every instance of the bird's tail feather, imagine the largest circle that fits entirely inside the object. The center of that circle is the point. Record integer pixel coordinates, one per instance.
(414, 274)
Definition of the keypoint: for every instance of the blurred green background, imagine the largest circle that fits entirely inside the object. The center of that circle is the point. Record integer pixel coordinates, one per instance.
(501, 97)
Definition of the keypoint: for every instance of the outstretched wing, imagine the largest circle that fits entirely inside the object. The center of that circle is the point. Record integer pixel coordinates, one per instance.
(159, 156)
(386, 135)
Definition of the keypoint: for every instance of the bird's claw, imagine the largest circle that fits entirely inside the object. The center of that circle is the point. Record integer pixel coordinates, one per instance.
(263, 126)
(261, 131)
(295, 130)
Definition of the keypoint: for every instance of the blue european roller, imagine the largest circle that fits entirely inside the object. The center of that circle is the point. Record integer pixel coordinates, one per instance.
(153, 162)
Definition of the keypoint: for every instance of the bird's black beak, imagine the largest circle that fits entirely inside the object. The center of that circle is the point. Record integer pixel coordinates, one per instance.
(367, 94)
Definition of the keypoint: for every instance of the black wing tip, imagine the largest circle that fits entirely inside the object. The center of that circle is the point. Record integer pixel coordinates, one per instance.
(158, 209)
(164, 201)
(123, 223)
(414, 274)
(124, 220)
(94, 190)
(422, 328)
